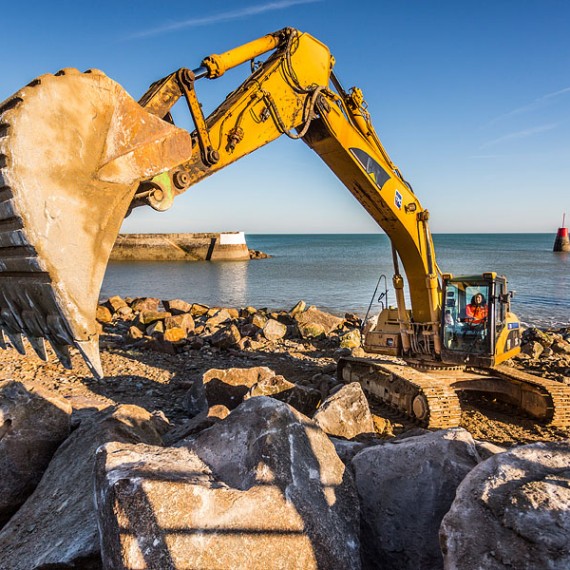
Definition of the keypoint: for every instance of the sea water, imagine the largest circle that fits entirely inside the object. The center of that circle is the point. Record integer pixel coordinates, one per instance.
(339, 273)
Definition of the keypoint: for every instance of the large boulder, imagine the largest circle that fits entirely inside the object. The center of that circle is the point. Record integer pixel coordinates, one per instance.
(33, 423)
(347, 449)
(177, 306)
(351, 339)
(226, 337)
(226, 387)
(346, 413)
(405, 489)
(533, 348)
(147, 317)
(145, 304)
(281, 459)
(315, 319)
(182, 321)
(174, 335)
(154, 504)
(103, 314)
(274, 330)
(512, 511)
(217, 317)
(311, 330)
(264, 489)
(57, 527)
(303, 398)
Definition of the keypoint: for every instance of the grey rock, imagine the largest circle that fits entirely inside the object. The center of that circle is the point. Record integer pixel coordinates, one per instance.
(346, 413)
(115, 303)
(33, 423)
(351, 339)
(227, 387)
(104, 315)
(561, 347)
(298, 308)
(518, 503)
(219, 316)
(405, 490)
(311, 330)
(266, 447)
(259, 320)
(486, 449)
(150, 507)
(303, 398)
(319, 320)
(533, 349)
(177, 306)
(226, 337)
(346, 449)
(249, 330)
(191, 427)
(274, 330)
(183, 321)
(148, 317)
(262, 490)
(156, 328)
(145, 304)
(57, 527)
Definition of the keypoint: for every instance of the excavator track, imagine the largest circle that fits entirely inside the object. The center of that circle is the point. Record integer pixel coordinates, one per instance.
(544, 399)
(421, 398)
(430, 399)
(73, 149)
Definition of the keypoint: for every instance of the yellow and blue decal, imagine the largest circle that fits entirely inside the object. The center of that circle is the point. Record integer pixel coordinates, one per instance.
(398, 200)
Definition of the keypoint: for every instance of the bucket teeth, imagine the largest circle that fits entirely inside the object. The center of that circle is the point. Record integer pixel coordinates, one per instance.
(34, 323)
(89, 349)
(57, 330)
(12, 320)
(39, 345)
(62, 352)
(17, 341)
(3, 340)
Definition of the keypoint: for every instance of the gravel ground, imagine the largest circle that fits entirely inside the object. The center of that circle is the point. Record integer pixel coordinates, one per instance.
(158, 382)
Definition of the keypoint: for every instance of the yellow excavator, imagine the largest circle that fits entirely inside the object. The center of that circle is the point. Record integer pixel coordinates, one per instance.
(77, 154)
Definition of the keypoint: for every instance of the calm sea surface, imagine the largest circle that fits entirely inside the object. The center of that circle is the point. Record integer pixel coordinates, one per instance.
(338, 273)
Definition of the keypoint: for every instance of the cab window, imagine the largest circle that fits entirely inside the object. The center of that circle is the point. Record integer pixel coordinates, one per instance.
(466, 317)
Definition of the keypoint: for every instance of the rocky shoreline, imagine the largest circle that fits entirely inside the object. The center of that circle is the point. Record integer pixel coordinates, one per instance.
(221, 438)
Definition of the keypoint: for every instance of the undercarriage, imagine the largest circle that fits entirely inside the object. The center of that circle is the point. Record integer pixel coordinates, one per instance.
(428, 394)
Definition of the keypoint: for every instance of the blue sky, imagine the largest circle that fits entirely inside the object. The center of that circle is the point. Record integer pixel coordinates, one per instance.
(471, 100)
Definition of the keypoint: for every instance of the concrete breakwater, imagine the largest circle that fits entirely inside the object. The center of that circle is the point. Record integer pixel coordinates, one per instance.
(229, 246)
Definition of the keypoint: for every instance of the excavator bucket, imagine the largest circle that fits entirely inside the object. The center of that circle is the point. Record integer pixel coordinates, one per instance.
(73, 149)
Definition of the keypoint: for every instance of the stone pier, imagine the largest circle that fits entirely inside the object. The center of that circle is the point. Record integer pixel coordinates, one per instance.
(230, 246)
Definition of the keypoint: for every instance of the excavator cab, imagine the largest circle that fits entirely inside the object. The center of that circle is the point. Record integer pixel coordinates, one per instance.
(477, 325)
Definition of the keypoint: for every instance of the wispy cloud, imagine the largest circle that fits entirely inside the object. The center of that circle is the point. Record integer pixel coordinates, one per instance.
(222, 17)
(536, 104)
(488, 156)
(520, 134)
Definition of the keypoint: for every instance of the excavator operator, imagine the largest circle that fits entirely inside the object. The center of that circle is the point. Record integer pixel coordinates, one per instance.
(476, 311)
